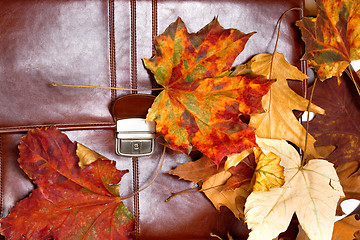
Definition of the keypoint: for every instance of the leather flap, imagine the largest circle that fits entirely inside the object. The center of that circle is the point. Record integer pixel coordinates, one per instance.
(67, 42)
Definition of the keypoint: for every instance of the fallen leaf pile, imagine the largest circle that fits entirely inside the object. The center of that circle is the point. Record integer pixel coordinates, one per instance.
(241, 119)
(264, 182)
(69, 202)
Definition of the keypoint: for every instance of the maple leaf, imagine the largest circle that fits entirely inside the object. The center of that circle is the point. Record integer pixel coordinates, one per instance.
(196, 171)
(332, 38)
(278, 120)
(70, 202)
(201, 103)
(340, 125)
(311, 191)
(268, 172)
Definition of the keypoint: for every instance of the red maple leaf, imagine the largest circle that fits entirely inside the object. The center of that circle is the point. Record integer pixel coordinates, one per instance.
(70, 202)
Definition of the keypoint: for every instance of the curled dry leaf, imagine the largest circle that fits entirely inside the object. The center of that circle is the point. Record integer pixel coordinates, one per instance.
(223, 188)
(70, 202)
(196, 171)
(231, 188)
(349, 181)
(347, 228)
(332, 39)
(278, 120)
(86, 155)
(311, 191)
(234, 199)
(201, 102)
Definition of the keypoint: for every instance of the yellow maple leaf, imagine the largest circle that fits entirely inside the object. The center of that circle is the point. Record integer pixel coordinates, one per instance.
(278, 120)
(311, 191)
(268, 173)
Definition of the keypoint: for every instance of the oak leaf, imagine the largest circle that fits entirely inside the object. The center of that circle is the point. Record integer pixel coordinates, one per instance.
(332, 39)
(201, 102)
(70, 202)
(278, 120)
(311, 191)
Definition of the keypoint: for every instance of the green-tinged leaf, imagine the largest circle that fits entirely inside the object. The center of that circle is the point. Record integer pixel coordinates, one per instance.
(201, 102)
(332, 39)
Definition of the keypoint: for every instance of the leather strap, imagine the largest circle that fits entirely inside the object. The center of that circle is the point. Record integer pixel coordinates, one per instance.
(135, 160)
(133, 46)
(1, 178)
(133, 75)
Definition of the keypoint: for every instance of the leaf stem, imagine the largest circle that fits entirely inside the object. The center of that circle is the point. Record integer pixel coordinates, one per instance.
(349, 72)
(152, 181)
(88, 86)
(189, 190)
(278, 36)
(307, 123)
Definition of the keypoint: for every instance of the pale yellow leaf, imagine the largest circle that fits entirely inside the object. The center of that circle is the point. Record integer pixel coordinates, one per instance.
(278, 120)
(312, 192)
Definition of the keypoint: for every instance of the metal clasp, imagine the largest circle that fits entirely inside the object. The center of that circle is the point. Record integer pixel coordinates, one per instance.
(135, 137)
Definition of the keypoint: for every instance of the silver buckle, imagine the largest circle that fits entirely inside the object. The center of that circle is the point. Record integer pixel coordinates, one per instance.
(135, 137)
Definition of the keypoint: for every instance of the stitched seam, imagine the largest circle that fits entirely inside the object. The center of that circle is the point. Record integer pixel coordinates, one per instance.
(1, 178)
(112, 49)
(135, 162)
(133, 46)
(22, 128)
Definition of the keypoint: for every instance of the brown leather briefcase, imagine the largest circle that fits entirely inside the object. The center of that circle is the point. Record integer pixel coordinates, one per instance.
(97, 42)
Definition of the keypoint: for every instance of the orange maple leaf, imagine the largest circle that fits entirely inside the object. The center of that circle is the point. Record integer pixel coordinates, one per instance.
(201, 103)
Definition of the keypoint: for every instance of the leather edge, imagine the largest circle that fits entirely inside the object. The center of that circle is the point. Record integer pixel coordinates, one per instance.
(1, 177)
(62, 127)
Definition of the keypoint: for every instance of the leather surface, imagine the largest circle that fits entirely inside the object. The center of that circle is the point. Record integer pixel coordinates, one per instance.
(45, 41)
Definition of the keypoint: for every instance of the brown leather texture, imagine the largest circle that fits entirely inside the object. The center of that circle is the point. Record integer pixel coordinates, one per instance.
(67, 42)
